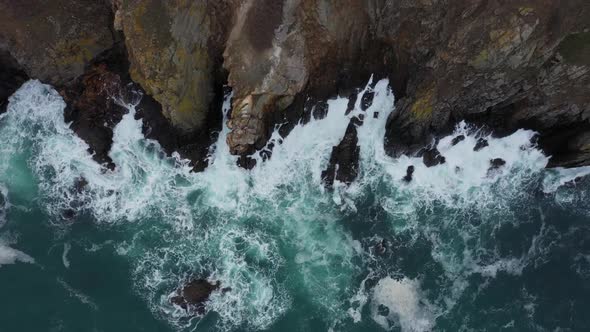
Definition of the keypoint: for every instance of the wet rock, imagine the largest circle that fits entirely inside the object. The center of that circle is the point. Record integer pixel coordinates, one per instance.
(246, 162)
(432, 157)
(457, 139)
(54, 41)
(344, 160)
(367, 100)
(12, 76)
(481, 143)
(194, 295)
(495, 165)
(409, 174)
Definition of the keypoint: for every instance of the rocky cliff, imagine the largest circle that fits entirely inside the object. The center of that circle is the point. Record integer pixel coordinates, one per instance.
(503, 64)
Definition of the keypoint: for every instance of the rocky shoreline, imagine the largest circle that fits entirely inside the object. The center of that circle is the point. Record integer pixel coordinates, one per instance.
(505, 66)
(502, 65)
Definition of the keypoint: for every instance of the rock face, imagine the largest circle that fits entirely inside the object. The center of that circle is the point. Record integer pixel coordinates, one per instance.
(505, 64)
(12, 76)
(54, 40)
(175, 50)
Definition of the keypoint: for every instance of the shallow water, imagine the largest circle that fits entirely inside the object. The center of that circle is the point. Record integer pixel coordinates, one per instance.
(466, 249)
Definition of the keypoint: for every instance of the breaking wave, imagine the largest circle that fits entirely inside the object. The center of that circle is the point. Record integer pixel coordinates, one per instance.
(401, 255)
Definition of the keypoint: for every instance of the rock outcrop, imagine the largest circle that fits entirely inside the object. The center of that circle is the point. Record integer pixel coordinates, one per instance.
(344, 160)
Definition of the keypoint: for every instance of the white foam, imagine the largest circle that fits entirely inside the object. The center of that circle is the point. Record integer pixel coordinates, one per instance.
(407, 308)
(10, 255)
(64, 255)
(244, 228)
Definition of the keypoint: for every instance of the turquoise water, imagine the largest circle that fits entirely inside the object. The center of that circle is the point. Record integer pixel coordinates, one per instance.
(466, 250)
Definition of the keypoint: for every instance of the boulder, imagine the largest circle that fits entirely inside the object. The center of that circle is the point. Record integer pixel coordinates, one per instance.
(194, 295)
(344, 159)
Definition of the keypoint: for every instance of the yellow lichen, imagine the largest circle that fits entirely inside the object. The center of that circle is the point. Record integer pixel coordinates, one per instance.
(524, 11)
(422, 107)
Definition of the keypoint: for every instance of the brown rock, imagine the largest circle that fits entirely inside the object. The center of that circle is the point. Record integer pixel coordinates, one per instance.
(344, 160)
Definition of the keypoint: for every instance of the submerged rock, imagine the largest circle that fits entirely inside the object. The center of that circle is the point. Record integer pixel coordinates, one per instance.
(344, 160)
(195, 294)
(432, 157)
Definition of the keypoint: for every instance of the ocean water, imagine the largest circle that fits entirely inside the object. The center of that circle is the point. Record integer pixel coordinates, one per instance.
(466, 249)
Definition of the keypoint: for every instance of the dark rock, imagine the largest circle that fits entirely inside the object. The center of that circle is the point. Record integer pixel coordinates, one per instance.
(409, 173)
(194, 295)
(367, 100)
(457, 139)
(495, 165)
(432, 157)
(344, 160)
(12, 76)
(320, 110)
(481, 143)
(375, 115)
(246, 162)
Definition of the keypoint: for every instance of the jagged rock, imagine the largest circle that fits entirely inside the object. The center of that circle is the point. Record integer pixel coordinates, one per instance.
(432, 157)
(54, 40)
(457, 139)
(344, 160)
(481, 143)
(195, 294)
(12, 76)
(409, 174)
